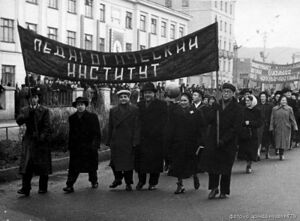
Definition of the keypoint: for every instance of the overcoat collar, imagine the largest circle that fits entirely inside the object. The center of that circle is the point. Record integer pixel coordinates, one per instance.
(119, 115)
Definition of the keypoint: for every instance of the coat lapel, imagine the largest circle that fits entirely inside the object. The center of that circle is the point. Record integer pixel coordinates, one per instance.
(120, 117)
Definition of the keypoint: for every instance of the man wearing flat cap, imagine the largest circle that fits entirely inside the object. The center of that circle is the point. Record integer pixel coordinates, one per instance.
(123, 138)
(84, 142)
(150, 154)
(35, 155)
(218, 157)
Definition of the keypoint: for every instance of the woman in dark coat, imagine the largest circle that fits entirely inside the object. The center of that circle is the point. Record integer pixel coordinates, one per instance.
(36, 152)
(150, 153)
(248, 139)
(123, 138)
(184, 140)
(84, 142)
(217, 158)
(264, 135)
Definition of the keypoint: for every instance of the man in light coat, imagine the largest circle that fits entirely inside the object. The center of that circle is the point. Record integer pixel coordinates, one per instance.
(123, 138)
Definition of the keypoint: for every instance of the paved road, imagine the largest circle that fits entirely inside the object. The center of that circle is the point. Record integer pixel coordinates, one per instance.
(271, 192)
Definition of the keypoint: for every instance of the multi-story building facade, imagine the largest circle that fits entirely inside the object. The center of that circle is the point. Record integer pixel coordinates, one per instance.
(205, 13)
(100, 25)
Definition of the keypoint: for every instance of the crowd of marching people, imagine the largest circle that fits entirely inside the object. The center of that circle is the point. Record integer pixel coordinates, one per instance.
(184, 133)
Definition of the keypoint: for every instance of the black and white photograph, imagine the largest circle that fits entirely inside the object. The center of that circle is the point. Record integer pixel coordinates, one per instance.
(149, 110)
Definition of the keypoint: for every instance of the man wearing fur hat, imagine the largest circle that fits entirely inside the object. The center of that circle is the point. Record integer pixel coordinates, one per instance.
(218, 157)
(150, 154)
(123, 138)
(36, 155)
(84, 142)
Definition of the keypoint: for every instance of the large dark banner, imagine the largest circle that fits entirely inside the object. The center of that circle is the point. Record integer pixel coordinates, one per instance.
(193, 54)
(274, 73)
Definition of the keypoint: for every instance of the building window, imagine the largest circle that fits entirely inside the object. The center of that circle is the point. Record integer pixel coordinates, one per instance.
(226, 7)
(168, 3)
(225, 45)
(221, 5)
(89, 8)
(142, 47)
(231, 9)
(101, 44)
(224, 65)
(32, 1)
(185, 3)
(216, 4)
(225, 27)
(52, 33)
(7, 30)
(8, 75)
(71, 38)
(229, 66)
(143, 23)
(181, 31)
(128, 20)
(128, 47)
(72, 6)
(53, 4)
(102, 12)
(172, 31)
(32, 27)
(153, 26)
(88, 42)
(163, 29)
(230, 28)
(221, 24)
(229, 46)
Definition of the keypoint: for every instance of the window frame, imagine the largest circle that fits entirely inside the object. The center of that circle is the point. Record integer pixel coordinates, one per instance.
(51, 34)
(88, 8)
(3, 66)
(102, 12)
(71, 38)
(72, 6)
(7, 29)
(51, 5)
(128, 20)
(86, 41)
(102, 44)
(181, 31)
(163, 29)
(143, 23)
(34, 2)
(128, 44)
(172, 31)
(28, 24)
(154, 26)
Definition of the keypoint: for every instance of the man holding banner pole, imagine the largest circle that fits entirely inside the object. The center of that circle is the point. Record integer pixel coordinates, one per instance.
(218, 157)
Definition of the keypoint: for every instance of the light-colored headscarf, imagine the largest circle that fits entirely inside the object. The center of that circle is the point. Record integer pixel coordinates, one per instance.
(254, 101)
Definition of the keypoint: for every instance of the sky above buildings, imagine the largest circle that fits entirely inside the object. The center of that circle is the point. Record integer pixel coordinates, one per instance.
(280, 19)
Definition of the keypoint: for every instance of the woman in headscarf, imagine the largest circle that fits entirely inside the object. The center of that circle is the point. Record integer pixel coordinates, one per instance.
(185, 139)
(282, 122)
(248, 138)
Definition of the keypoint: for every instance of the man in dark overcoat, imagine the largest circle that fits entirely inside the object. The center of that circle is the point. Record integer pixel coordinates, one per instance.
(150, 154)
(36, 153)
(123, 138)
(218, 157)
(84, 142)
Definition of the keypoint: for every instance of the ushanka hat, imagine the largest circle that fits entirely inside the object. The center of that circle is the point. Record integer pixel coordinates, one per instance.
(228, 86)
(82, 100)
(123, 92)
(149, 86)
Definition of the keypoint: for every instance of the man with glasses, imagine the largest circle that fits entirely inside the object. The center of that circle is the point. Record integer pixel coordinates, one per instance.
(218, 157)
